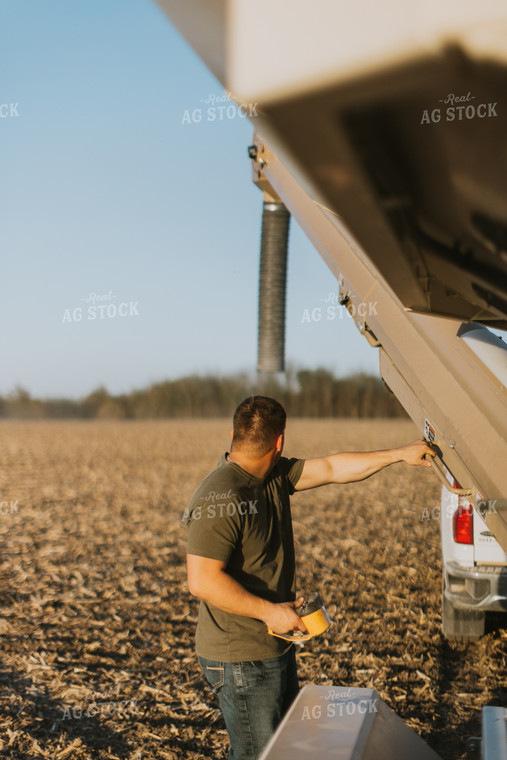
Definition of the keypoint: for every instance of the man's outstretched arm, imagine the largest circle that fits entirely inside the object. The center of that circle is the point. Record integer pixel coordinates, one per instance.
(208, 580)
(348, 467)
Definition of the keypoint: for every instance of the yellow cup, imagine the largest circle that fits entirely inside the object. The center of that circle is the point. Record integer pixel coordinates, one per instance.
(314, 615)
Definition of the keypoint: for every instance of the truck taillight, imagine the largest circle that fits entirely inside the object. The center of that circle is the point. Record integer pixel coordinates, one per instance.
(463, 523)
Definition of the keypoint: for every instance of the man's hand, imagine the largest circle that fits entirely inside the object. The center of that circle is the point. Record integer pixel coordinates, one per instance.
(417, 453)
(209, 580)
(282, 618)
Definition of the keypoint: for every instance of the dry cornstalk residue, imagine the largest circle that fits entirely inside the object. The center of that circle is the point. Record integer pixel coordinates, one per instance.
(97, 625)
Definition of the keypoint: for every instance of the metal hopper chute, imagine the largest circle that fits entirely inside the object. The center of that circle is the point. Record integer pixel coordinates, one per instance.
(381, 128)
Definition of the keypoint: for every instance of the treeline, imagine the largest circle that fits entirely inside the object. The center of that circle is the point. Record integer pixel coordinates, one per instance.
(306, 393)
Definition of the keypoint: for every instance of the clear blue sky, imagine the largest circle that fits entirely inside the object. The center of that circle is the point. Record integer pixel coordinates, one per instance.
(105, 191)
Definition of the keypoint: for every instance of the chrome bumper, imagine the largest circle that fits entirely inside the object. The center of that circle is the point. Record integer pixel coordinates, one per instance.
(483, 587)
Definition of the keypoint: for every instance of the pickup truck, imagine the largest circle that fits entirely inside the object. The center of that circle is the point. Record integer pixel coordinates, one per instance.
(474, 567)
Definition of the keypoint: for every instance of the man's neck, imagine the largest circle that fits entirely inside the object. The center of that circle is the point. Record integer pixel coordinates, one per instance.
(259, 467)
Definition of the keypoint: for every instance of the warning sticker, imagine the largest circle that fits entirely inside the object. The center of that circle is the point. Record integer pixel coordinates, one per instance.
(429, 431)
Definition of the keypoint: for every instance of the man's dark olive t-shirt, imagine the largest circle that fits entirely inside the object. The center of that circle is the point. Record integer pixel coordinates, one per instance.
(245, 522)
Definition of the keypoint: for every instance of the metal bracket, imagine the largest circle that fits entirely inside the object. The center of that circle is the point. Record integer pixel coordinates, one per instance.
(438, 467)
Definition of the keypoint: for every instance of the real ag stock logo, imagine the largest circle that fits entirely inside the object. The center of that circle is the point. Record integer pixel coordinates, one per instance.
(459, 108)
(336, 310)
(219, 108)
(101, 306)
(219, 505)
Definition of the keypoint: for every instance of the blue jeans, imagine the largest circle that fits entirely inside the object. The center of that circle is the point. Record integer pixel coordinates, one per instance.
(254, 697)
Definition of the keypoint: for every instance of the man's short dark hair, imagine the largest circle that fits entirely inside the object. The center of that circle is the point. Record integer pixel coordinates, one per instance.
(257, 423)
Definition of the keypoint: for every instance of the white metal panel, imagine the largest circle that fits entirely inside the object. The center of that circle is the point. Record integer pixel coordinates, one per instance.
(487, 550)
(344, 724)
(490, 349)
(494, 733)
(327, 41)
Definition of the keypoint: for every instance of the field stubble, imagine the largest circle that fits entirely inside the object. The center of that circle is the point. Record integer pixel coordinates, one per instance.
(97, 624)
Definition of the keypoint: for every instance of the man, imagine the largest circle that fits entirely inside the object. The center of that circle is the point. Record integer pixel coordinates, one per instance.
(240, 563)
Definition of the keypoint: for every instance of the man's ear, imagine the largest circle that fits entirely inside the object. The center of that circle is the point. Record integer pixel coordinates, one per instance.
(279, 442)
